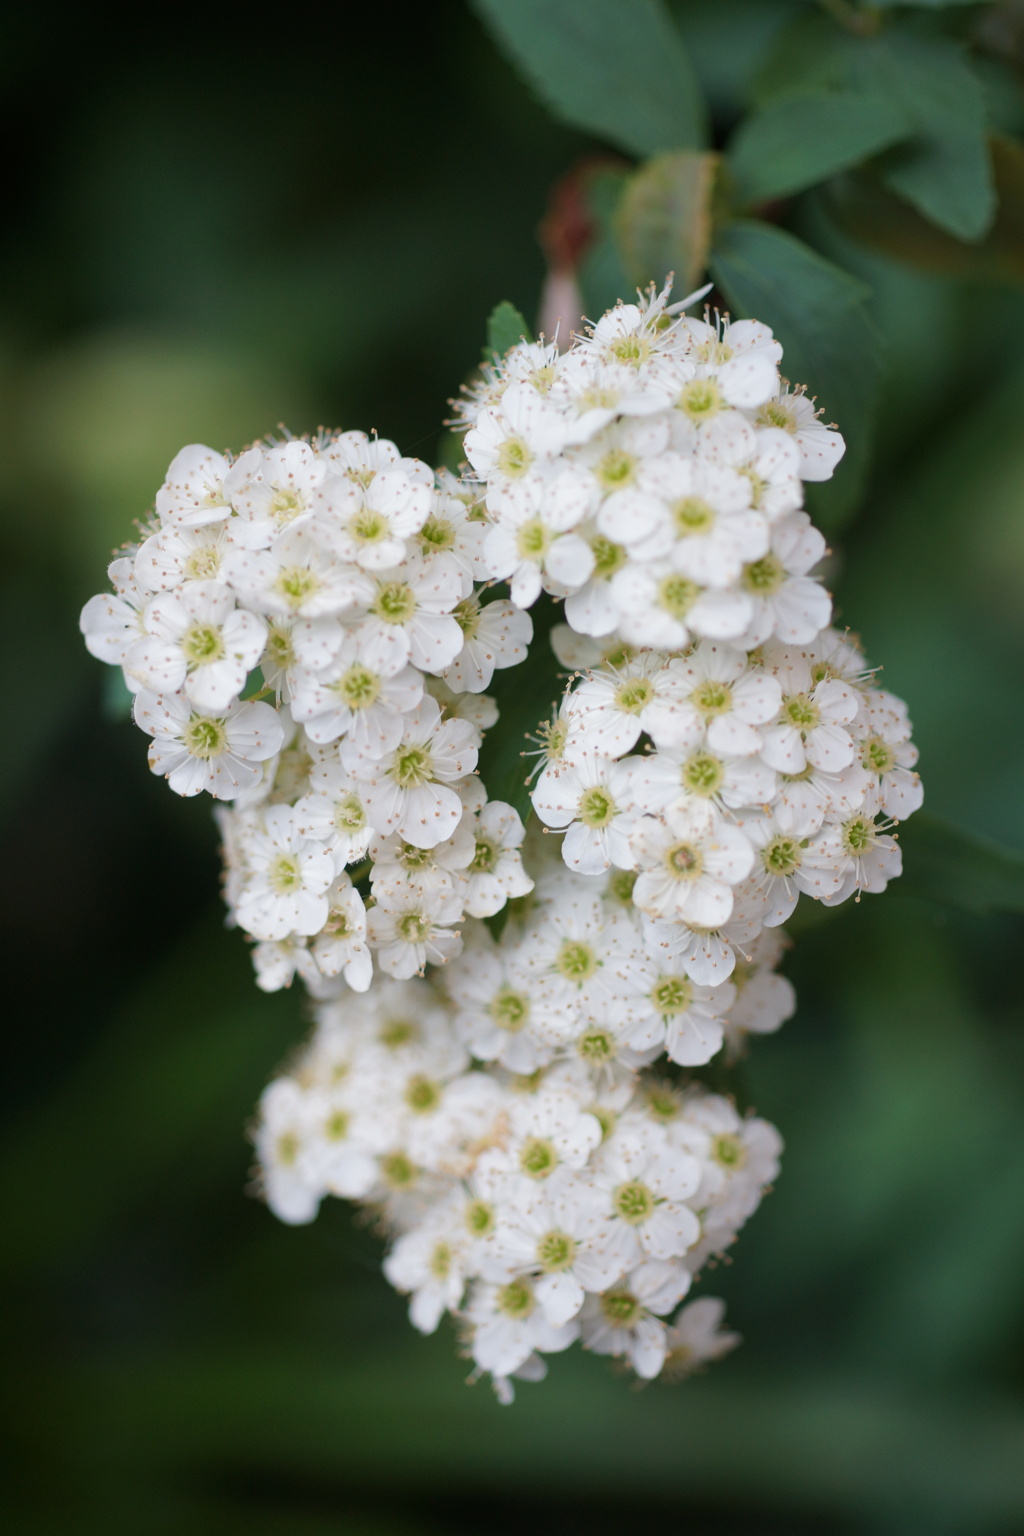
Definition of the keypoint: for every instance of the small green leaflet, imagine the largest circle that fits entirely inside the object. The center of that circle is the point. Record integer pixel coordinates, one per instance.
(616, 68)
(505, 328)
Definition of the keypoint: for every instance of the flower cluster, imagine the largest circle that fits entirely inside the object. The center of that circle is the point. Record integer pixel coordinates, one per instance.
(574, 1201)
(346, 574)
(309, 634)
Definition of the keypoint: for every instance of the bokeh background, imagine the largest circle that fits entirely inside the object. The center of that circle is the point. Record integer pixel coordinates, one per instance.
(221, 227)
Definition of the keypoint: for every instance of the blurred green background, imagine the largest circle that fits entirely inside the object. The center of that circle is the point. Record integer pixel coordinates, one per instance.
(219, 228)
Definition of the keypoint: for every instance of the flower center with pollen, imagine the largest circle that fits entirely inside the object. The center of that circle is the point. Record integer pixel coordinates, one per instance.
(633, 696)
(414, 927)
(285, 874)
(634, 1202)
(538, 1158)
(467, 616)
(533, 540)
(412, 767)
(205, 737)
(576, 961)
(702, 774)
(422, 1095)
(877, 756)
(203, 564)
(684, 861)
(671, 994)
(349, 815)
(782, 856)
(616, 469)
(800, 711)
(509, 1010)
(515, 1299)
(701, 399)
(369, 527)
(359, 687)
(608, 557)
(621, 1308)
(765, 576)
(691, 515)
(485, 857)
(677, 596)
(395, 602)
(514, 458)
(285, 507)
(437, 533)
(556, 1251)
(596, 807)
(295, 583)
(711, 698)
(202, 643)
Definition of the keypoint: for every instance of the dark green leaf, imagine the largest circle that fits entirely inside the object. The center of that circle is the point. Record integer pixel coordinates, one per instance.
(870, 213)
(798, 141)
(663, 221)
(505, 328)
(819, 314)
(948, 864)
(616, 68)
(945, 171)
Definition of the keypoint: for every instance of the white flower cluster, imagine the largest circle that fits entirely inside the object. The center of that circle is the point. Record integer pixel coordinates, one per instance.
(307, 634)
(578, 1200)
(724, 747)
(346, 574)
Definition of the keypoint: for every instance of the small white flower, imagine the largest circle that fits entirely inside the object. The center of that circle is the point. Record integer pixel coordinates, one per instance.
(112, 622)
(689, 862)
(593, 798)
(495, 636)
(558, 1240)
(286, 879)
(222, 754)
(340, 946)
(272, 489)
(332, 813)
(626, 1320)
(286, 1117)
(494, 873)
(363, 695)
(414, 930)
(193, 493)
(198, 640)
(370, 526)
(408, 790)
(176, 555)
(820, 447)
(696, 1336)
(509, 1324)
(785, 600)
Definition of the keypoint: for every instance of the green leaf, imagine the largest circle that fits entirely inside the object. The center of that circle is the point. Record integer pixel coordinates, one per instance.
(819, 314)
(944, 172)
(958, 868)
(869, 212)
(663, 221)
(616, 68)
(801, 140)
(505, 328)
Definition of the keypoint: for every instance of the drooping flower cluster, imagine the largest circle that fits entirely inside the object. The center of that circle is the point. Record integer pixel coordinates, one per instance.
(346, 574)
(308, 633)
(577, 1199)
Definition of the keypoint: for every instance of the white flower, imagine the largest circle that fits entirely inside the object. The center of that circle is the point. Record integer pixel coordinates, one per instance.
(412, 604)
(593, 798)
(610, 710)
(502, 1012)
(720, 698)
(696, 1336)
(176, 555)
(789, 859)
(408, 790)
(869, 857)
(332, 813)
(432, 1262)
(271, 489)
(683, 1016)
(193, 493)
(294, 578)
(364, 694)
(786, 601)
(509, 1324)
(662, 778)
(535, 540)
(646, 1184)
(626, 1320)
(509, 437)
(557, 1239)
(340, 946)
(414, 930)
(286, 879)
(494, 636)
(112, 622)
(222, 754)
(741, 356)
(764, 999)
(812, 721)
(659, 607)
(370, 525)
(689, 862)
(494, 874)
(285, 1124)
(888, 756)
(820, 447)
(198, 640)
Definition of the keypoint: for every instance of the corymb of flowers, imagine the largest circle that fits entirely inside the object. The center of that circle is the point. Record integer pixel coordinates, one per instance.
(507, 1026)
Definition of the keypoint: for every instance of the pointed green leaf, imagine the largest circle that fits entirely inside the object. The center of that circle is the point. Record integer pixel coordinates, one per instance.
(505, 328)
(801, 140)
(616, 68)
(819, 314)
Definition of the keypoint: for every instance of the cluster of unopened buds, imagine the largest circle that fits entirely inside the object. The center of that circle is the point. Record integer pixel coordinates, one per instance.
(502, 1062)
